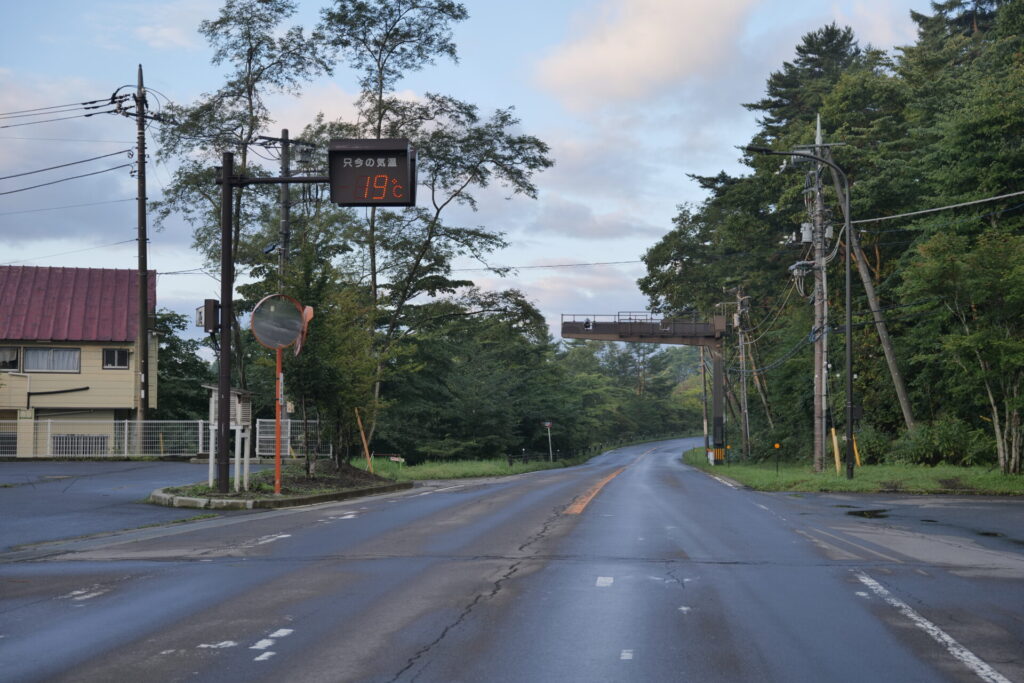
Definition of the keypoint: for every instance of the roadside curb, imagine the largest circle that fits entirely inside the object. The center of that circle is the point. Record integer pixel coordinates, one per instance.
(161, 497)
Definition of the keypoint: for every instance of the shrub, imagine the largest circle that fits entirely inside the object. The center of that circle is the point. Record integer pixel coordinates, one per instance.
(947, 440)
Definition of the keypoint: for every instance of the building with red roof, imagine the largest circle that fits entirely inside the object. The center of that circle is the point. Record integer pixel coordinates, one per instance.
(68, 351)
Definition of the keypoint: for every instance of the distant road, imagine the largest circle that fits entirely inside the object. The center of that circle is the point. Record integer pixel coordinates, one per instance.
(633, 567)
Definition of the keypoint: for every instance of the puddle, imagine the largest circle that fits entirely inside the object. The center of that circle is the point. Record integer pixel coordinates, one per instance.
(991, 534)
(931, 521)
(844, 506)
(869, 514)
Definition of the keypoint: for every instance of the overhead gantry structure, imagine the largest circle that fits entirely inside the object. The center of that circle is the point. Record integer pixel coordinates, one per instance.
(645, 328)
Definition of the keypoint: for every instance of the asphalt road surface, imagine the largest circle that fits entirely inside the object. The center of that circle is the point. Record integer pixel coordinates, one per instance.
(662, 574)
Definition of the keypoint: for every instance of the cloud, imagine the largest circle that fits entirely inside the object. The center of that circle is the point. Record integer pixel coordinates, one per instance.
(171, 25)
(884, 25)
(565, 217)
(632, 49)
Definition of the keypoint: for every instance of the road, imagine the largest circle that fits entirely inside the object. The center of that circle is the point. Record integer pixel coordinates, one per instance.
(661, 574)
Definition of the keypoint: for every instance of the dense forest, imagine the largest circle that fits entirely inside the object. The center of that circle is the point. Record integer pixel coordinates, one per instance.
(441, 369)
(935, 124)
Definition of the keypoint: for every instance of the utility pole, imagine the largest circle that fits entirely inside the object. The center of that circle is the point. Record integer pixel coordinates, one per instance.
(286, 228)
(704, 397)
(820, 311)
(744, 413)
(142, 343)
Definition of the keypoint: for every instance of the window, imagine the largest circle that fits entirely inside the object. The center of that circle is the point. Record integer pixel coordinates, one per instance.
(9, 358)
(51, 360)
(115, 359)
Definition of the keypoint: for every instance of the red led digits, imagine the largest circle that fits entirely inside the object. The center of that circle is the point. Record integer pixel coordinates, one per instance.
(380, 184)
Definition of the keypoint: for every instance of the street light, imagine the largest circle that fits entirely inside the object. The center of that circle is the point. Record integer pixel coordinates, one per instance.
(849, 312)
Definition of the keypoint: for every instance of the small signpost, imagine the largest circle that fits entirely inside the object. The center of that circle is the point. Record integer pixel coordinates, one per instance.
(551, 453)
(278, 321)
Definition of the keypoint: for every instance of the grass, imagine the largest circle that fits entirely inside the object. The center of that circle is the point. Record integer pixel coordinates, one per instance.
(912, 479)
(455, 469)
(327, 479)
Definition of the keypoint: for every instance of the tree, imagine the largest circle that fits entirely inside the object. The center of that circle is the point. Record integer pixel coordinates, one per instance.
(263, 58)
(182, 372)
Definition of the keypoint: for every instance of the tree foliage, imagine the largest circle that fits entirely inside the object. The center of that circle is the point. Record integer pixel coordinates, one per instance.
(935, 123)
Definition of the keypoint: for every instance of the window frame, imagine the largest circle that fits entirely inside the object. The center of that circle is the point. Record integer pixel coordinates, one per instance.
(78, 357)
(116, 350)
(17, 359)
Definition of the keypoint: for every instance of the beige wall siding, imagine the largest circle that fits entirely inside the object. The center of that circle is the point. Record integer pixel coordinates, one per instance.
(107, 388)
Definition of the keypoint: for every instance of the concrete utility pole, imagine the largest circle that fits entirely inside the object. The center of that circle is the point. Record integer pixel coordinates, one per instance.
(704, 397)
(142, 343)
(820, 311)
(286, 228)
(744, 412)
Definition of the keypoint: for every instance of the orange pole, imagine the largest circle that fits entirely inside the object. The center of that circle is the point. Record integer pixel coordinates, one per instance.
(277, 426)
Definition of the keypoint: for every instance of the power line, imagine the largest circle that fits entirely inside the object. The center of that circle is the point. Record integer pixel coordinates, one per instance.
(54, 182)
(71, 163)
(63, 118)
(14, 137)
(68, 206)
(55, 106)
(940, 208)
(65, 253)
(557, 265)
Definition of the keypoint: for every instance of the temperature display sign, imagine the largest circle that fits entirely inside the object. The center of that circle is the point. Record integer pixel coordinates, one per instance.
(372, 172)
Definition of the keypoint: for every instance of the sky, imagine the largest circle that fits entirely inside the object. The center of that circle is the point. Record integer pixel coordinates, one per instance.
(631, 96)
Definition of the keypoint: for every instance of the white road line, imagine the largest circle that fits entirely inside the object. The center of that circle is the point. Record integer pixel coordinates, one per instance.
(281, 633)
(449, 488)
(218, 646)
(626, 654)
(263, 657)
(271, 539)
(723, 481)
(763, 507)
(685, 610)
(604, 581)
(349, 516)
(958, 651)
(262, 644)
(89, 596)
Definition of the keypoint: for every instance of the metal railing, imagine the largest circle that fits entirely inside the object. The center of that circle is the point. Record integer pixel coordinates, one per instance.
(293, 443)
(104, 438)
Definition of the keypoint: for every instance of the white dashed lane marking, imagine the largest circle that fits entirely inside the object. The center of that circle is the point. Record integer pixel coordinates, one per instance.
(262, 644)
(264, 657)
(626, 654)
(217, 646)
(604, 581)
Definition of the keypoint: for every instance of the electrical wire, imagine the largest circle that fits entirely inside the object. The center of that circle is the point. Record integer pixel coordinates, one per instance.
(68, 206)
(940, 208)
(116, 142)
(54, 182)
(65, 253)
(71, 163)
(55, 106)
(63, 118)
(557, 265)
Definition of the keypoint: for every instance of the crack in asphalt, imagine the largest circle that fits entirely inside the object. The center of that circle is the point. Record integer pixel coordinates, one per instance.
(481, 597)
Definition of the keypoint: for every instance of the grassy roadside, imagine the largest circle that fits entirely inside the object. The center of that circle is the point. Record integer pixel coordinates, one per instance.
(913, 479)
(456, 469)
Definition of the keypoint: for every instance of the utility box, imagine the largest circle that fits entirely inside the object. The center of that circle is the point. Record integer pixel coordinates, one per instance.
(372, 172)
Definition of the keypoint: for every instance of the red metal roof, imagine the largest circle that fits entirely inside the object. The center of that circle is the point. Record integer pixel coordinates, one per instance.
(70, 304)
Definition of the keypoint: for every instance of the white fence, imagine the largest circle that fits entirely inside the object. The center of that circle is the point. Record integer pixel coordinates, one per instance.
(103, 438)
(293, 445)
